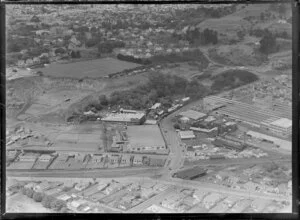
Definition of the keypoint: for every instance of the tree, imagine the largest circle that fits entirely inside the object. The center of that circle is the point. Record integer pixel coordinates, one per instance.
(176, 126)
(38, 196)
(29, 192)
(240, 34)
(268, 44)
(46, 202)
(103, 100)
(57, 205)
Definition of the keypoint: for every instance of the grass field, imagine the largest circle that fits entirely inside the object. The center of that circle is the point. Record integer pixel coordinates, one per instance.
(92, 68)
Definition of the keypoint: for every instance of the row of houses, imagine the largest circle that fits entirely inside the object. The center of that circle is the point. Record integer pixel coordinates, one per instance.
(75, 161)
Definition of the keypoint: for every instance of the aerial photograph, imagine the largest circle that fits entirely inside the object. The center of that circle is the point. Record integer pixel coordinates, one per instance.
(149, 108)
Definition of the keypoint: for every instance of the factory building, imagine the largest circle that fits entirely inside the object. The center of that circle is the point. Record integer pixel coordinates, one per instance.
(186, 135)
(281, 126)
(190, 174)
(231, 144)
(193, 115)
(132, 117)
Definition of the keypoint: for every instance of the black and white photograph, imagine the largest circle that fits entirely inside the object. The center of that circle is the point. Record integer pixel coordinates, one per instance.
(148, 108)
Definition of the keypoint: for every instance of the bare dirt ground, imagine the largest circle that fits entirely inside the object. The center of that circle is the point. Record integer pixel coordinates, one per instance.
(20, 203)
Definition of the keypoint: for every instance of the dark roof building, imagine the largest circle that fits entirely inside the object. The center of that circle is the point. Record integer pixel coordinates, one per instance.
(190, 174)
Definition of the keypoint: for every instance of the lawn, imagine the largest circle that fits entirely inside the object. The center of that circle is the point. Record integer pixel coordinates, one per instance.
(92, 68)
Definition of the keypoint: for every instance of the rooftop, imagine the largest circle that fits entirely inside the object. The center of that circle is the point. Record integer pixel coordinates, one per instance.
(282, 122)
(186, 134)
(125, 117)
(193, 114)
(145, 135)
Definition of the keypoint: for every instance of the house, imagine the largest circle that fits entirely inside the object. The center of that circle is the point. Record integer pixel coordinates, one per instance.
(35, 19)
(82, 186)
(45, 158)
(64, 197)
(76, 203)
(157, 162)
(211, 200)
(137, 160)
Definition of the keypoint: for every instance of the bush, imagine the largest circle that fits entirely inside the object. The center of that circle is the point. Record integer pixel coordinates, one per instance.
(57, 205)
(38, 196)
(47, 200)
(29, 193)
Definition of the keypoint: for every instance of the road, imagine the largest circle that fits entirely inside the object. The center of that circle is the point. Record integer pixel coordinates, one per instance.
(173, 141)
(241, 161)
(210, 187)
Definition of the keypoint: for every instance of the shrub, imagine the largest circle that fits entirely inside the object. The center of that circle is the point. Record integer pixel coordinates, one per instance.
(38, 196)
(29, 193)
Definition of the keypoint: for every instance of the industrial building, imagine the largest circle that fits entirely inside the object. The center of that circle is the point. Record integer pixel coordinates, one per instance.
(145, 138)
(194, 115)
(252, 115)
(184, 135)
(210, 132)
(190, 174)
(126, 116)
(231, 144)
(281, 126)
(287, 145)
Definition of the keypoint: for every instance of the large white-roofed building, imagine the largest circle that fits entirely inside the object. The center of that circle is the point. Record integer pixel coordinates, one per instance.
(186, 134)
(281, 126)
(129, 118)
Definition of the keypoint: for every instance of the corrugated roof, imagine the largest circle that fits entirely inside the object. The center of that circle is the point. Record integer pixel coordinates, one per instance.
(193, 114)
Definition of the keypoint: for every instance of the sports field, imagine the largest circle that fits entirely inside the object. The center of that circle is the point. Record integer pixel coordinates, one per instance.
(92, 68)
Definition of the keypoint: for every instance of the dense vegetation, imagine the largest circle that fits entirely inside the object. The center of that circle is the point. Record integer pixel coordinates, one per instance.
(268, 44)
(159, 88)
(195, 36)
(193, 55)
(133, 59)
(231, 79)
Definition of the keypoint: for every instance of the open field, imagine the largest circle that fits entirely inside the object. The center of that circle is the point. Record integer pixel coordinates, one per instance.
(93, 68)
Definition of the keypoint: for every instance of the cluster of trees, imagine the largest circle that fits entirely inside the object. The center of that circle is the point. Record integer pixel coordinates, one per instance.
(47, 201)
(268, 44)
(279, 8)
(108, 46)
(18, 44)
(186, 56)
(207, 36)
(160, 88)
(231, 79)
(75, 54)
(263, 32)
(133, 59)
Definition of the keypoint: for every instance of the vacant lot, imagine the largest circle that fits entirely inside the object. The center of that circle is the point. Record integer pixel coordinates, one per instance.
(92, 68)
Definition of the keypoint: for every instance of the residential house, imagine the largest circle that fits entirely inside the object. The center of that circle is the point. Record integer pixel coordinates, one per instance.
(137, 160)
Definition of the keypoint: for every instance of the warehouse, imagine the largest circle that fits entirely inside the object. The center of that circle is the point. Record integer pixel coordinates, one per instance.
(281, 126)
(211, 132)
(184, 135)
(190, 174)
(128, 118)
(194, 115)
(145, 138)
(222, 142)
